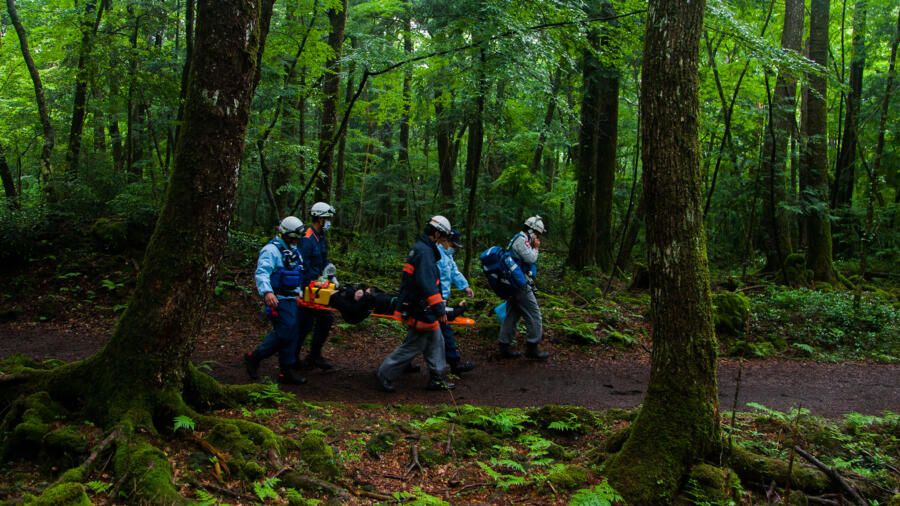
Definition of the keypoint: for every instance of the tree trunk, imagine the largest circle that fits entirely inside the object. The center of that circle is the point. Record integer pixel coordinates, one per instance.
(9, 185)
(46, 149)
(133, 151)
(815, 157)
(607, 144)
(679, 419)
(189, 11)
(583, 246)
(93, 13)
(473, 158)
(548, 120)
(885, 102)
(844, 175)
(408, 209)
(330, 88)
(779, 130)
(444, 130)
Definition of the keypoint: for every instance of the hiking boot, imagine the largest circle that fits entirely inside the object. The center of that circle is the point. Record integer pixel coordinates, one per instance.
(535, 353)
(506, 351)
(439, 383)
(457, 367)
(411, 368)
(318, 361)
(287, 376)
(386, 384)
(251, 361)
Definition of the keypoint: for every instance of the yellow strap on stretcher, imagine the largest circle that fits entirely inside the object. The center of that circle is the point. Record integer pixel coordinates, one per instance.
(459, 320)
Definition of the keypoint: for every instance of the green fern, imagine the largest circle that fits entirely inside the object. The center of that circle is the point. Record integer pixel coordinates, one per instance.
(265, 489)
(184, 422)
(99, 487)
(601, 495)
(204, 498)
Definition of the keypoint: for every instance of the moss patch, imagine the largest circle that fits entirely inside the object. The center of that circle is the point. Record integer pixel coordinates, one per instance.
(380, 443)
(569, 477)
(795, 270)
(319, 456)
(564, 418)
(474, 441)
(712, 484)
(68, 494)
(731, 313)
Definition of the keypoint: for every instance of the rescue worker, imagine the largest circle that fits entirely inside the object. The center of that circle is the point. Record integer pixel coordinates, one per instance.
(279, 274)
(524, 248)
(316, 267)
(421, 306)
(450, 275)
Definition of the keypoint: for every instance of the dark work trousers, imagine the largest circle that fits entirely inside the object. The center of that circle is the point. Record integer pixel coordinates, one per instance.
(451, 352)
(319, 321)
(283, 338)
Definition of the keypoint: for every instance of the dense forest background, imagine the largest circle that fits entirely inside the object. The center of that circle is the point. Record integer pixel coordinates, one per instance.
(487, 112)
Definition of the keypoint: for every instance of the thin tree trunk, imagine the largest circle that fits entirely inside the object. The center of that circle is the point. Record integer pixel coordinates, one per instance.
(408, 208)
(9, 185)
(132, 145)
(668, 437)
(342, 144)
(818, 228)
(46, 149)
(885, 102)
(548, 120)
(330, 88)
(844, 175)
(473, 158)
(90, 24)
(776, 147)
(444, 130)
(185, 70)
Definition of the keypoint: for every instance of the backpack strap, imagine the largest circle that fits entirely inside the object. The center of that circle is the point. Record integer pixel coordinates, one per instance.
(290, 259)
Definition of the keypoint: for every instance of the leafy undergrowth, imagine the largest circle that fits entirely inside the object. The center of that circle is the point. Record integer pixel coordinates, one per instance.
(374, 454)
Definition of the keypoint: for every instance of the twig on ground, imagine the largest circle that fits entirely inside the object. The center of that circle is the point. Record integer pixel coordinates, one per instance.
(394, 477)
(831, 474)
(472, 485)
(414, 461)
(822, 500)
(374, 495)
(450, 439)
(224, 491)
(220, 458)
(335, 490)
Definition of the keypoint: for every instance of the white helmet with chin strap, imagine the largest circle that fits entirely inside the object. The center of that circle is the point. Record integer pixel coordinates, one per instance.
(536, 223)
(321, 210)
(291, 227)
(441, 224)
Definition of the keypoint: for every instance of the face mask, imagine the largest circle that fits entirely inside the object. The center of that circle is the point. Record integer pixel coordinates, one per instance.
(327, 225)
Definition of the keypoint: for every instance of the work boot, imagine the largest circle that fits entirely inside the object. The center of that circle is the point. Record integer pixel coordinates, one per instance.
(314, 359)
(535, 353)
(251, 361)
(457, 367)
(506, 351)
(386, 384)
(287, 376)
(437, 382)
(411, 368)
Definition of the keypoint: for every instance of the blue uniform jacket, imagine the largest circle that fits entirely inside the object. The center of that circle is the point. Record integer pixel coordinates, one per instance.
(449, 274)
(419, 302)
(314, 249)
(270, 259)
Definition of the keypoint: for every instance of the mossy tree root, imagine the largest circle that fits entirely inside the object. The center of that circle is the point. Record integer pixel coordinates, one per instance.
(38, 398)
(754, 468)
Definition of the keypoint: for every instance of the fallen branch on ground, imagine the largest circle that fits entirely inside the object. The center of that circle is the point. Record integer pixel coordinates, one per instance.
(832, 474)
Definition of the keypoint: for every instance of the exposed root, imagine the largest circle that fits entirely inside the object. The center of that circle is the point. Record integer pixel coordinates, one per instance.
(299, 481)
(757, 468)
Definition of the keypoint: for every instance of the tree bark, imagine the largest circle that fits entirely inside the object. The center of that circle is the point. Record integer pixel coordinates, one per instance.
(330, 88)
(93, 13)
(133, 151)
(189, 11)
(844, 176)
(779, 130)
(815, 157)
(679, 420)
(408, 210)
(47, 147)
(473, 157)
(444, 130)
(548, 120)
(9, 185)
(885, 102)
(151, 346)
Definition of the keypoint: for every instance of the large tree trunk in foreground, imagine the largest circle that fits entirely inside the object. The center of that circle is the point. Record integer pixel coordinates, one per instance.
(679, 421)
(815, 157)
(47, 127)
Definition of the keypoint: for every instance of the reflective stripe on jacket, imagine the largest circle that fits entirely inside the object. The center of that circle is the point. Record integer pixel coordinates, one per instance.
(420, 302)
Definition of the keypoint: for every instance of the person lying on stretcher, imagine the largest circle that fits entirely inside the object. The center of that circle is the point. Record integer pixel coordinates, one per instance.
(356, 303)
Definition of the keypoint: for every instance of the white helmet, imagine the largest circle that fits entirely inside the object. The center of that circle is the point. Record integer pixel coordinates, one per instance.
(536, 223)
(291, 227)
(321, 210)
(441, 224)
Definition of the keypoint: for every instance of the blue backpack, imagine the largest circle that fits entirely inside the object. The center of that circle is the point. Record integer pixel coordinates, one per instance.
(288, 278)
(503, 273)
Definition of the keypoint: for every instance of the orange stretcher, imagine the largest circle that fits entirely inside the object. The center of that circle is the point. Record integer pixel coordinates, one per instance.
(459, 320)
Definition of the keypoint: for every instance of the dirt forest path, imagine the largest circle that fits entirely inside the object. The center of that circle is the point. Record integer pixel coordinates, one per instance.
(598, 383)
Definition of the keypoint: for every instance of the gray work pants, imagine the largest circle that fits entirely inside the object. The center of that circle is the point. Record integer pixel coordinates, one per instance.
(428, 342)
(522, 305)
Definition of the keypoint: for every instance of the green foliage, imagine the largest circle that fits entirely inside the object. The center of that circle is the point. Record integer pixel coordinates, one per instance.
(184, 422)
(504, 422)
(732, 310)
(269, 393)
(600, 495)
(419, 498)
(265, 489)
(829, 322)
